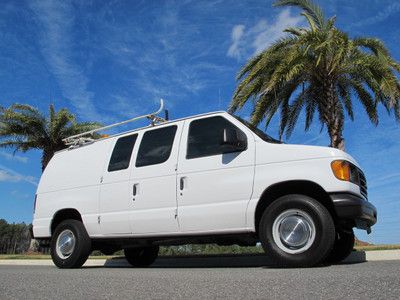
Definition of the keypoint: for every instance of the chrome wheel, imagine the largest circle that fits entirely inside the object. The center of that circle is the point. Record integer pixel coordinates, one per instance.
(65, 244)
(293, 231)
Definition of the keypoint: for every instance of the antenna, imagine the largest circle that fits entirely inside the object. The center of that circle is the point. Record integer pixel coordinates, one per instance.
(81, 138)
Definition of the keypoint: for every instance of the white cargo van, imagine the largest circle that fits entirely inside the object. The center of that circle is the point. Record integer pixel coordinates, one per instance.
(211, 178)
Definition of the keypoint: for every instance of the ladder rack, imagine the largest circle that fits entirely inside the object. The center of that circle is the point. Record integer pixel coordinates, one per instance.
(82, 138)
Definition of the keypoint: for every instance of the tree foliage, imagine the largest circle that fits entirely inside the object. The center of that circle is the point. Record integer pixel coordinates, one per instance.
(24, 127)
(14, 238)
(319, 70)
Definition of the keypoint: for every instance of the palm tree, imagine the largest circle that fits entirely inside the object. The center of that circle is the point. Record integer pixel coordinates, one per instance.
(319, 70)
(23, 128)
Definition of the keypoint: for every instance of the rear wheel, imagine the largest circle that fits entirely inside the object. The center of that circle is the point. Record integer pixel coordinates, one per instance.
(70, 245)
(297, 231)
(342, 248)
(141, 257)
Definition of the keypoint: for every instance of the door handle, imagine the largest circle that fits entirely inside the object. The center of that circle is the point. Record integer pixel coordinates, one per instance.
(182, 183)
(135, 190)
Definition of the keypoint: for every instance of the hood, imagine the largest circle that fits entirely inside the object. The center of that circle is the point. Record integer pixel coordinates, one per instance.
(272, 153)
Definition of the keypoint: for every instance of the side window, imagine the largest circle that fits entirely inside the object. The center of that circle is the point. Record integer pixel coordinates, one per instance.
(121, 155)
(156, 146)
(208, 137)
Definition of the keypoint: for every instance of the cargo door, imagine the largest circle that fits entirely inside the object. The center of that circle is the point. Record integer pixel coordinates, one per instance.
(153, 181)
(116, 202)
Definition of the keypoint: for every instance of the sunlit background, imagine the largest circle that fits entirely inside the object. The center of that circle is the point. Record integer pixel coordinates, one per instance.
(109, 61)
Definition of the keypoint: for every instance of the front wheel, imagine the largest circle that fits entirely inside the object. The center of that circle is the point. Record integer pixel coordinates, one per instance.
(342, 248)
(297, 231)
(141, 257)
(70, 245)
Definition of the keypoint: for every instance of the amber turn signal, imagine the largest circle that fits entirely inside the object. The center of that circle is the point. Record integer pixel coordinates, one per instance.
(341, 169)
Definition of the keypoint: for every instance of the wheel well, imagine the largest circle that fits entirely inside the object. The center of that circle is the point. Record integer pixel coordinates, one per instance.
(64, 214)
(303, 187)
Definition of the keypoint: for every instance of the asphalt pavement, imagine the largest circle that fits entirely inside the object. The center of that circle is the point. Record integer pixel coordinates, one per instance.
(368, 280)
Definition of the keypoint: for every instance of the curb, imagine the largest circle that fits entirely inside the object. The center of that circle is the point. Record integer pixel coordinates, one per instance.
(208, 261)
(382, 255)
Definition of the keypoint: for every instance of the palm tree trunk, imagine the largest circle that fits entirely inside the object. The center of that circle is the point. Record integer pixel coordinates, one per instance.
(336, 135)
(333, 115)
(46, 156)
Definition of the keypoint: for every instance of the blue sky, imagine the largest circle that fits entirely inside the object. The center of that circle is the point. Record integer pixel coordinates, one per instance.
(109, 60)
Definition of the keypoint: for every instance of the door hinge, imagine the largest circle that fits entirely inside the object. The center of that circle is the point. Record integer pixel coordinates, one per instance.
(176, 213)
(98, 219)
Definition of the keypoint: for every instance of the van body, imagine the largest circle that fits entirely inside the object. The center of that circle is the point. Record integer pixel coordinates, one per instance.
(210, 178)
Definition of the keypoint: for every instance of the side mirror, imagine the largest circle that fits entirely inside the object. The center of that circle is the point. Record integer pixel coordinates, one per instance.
(233, 140)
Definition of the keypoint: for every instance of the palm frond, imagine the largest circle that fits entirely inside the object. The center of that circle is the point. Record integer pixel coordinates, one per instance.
(294, 112)
(313, 10)
(295, 31)
(333, 69)
(367, 101)
(310, 111)
(23, 128)
(344, 91)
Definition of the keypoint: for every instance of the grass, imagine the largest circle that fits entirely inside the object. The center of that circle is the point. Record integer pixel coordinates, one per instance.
(24, 256)
(182, 251)
(377, 247)
(42, 256)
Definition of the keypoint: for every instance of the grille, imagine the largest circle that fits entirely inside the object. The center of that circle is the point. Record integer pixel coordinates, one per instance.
(363, 183)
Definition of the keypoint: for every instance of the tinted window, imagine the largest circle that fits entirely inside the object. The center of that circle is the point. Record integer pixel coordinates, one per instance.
(259, 132)
(206, 137)
(156, 146)
(122, 152)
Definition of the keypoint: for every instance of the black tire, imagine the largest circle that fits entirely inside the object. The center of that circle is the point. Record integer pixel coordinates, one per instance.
(318, 244)
(80, 251)
(141, 257)
(342, 247)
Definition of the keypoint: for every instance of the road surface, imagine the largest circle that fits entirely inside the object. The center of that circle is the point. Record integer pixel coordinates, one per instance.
(368, 280)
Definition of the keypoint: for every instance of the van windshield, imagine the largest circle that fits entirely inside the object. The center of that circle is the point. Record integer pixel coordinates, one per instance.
(257, 131)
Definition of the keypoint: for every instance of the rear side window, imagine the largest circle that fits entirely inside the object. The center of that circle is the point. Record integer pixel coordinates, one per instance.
(205, 137)
(156, 146)
(121, 155)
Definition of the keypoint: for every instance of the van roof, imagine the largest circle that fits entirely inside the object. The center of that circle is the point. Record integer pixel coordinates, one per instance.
(143, 128)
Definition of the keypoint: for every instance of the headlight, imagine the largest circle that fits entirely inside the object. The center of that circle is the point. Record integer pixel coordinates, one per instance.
(346, 171)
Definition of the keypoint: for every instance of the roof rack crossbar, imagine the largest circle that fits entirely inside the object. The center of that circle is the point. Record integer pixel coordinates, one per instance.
(80, 138)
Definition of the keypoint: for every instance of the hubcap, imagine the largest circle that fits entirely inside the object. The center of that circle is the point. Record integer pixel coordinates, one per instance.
(293, 231)
(65, 244)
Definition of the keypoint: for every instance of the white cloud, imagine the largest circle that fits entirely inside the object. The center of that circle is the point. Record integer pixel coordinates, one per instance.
(8, 175)
(381, 16)
(18, 158)
(171, 62)
(20, 195)
(57, 21)
(255, 39)
(236, 36)
(390, 179)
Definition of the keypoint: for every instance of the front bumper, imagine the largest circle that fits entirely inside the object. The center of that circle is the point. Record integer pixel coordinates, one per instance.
(354, 210)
